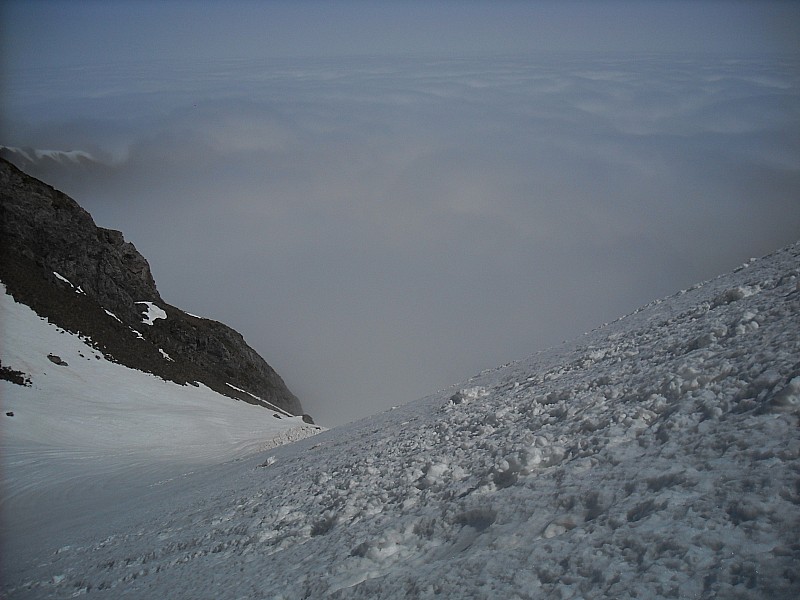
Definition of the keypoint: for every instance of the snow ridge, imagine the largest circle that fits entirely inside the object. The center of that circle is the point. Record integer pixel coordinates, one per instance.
(656, 457)
(260, 400)
(60, 156)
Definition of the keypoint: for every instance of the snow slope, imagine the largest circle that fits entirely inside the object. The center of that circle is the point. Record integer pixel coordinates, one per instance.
(90, 406)
(83, 416)
(656, 457)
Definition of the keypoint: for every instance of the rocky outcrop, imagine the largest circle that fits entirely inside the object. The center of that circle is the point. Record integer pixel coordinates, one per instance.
(88, 279)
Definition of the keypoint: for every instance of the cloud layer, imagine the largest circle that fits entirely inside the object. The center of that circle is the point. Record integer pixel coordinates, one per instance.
(379, 228)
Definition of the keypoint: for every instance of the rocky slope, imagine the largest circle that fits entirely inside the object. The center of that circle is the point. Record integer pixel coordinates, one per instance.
(88, 279)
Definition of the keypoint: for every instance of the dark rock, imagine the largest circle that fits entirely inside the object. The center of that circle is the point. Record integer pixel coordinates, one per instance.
(10, 413)
(14, 376)
(43, 232)
(55, 359)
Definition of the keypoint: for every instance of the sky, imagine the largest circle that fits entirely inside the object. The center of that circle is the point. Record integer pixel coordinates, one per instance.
(388, 197)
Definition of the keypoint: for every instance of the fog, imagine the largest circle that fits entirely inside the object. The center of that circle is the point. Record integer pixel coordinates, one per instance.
(379, 227)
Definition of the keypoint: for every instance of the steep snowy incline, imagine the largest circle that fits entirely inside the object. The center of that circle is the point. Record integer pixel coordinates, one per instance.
(82, 419)
(79, 402)
(656, 457)
(89, 280)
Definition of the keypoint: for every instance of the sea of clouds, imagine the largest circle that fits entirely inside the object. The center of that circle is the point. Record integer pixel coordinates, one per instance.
(378, 228)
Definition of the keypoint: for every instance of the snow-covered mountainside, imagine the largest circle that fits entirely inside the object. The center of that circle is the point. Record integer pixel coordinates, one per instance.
(90, 280)
(656, 457)
(70, 400)
(71, 418)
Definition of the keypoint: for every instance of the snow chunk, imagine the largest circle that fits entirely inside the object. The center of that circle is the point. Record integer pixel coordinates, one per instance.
(468, 394)
(734, 294)
(788, 398)
(151, 313)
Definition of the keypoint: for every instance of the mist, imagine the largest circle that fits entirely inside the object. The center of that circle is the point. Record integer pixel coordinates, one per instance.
(379, 227)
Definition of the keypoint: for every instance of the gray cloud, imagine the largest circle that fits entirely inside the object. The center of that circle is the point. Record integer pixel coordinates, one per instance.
(381, 228)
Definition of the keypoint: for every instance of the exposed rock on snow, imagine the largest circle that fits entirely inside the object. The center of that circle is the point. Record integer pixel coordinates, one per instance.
(79, 419)
(55, 359)
(656, 457)
(50, 249)
(14, 376)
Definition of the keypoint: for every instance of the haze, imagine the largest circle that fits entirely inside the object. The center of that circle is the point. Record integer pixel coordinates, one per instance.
(387, 197)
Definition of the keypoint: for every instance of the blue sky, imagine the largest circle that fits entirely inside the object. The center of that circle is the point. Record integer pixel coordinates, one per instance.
(386, 197)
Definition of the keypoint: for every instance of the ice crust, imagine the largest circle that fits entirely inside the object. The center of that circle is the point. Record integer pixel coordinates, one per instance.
(655, 457)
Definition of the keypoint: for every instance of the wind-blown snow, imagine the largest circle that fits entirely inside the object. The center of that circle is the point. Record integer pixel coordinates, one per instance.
(656, 457)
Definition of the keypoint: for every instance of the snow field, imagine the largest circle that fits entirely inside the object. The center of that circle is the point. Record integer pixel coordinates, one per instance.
(656, 457)
(85, 422)
(92, 406)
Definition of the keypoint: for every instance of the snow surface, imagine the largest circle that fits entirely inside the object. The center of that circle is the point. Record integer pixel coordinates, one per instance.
(656, 457)
(93, 418)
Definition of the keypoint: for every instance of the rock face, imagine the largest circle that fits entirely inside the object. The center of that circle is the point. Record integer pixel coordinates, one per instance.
(88, 279)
